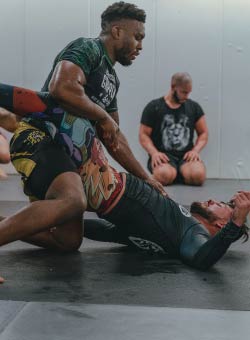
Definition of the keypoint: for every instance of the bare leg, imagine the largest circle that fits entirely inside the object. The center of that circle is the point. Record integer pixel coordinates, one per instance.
(66, 237)
(194, 173)
(63, 207)
(165, 174)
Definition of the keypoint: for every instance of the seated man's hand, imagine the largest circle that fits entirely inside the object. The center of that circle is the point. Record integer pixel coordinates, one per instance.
(241, 202)
(158, 158)
(191, 156)
(156, 185)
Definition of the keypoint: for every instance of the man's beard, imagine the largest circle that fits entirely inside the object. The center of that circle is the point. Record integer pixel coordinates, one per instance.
(122, 57)
(176, 98)
(197, 208)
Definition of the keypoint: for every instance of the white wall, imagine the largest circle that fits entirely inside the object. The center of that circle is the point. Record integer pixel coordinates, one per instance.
(210, 39)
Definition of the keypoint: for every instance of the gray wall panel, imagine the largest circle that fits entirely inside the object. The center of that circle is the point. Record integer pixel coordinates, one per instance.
(12, 33)
(50, 25)
(235, 124)
(209, 39)
(12, 48)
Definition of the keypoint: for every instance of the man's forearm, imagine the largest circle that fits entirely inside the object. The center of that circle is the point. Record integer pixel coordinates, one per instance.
(147, 144)
(200, 252)
(200, 143)
(124, 156)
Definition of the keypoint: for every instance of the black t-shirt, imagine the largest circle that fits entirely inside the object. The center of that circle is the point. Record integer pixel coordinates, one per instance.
(172, 129)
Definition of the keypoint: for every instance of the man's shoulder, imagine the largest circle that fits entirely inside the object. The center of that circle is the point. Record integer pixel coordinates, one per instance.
(155, 102)
(83, 43)
(192, 103)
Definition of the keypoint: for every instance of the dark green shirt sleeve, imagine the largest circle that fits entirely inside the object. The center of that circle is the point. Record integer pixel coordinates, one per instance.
(83, 53)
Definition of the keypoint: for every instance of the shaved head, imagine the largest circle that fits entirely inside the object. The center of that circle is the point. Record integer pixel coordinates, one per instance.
(181, 78)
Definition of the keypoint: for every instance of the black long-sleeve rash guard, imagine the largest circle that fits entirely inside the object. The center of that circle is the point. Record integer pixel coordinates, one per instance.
(197, 249)
(149, 221)
(202, 251)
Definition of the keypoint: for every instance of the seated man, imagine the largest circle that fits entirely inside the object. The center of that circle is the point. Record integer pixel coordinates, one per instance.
(139, 213)
(166, 133)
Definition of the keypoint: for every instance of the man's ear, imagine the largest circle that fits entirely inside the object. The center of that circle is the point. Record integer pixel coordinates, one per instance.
(116, 32)
(219, 224)
(172, 88)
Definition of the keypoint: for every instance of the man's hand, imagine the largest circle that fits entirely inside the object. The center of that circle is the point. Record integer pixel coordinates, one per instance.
(156, 185)
(108, 130)
(158, 158)
(191, 156)
(241, 202)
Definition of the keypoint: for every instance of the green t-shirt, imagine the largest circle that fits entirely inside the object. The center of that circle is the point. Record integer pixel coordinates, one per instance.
(102, 82)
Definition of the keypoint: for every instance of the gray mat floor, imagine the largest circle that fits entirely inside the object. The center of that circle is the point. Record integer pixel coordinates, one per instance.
(107, 292)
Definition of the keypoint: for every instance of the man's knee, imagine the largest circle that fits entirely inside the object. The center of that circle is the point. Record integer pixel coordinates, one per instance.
(194, 174)
(68, 237)
(4, 157)
(165, 174)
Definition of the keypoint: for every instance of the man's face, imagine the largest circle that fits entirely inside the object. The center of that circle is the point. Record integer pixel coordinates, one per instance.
(212, 210)
(132, 34)
(181, 93)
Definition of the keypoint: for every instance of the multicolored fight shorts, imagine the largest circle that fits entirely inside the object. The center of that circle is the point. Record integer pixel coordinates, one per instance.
(39, 158)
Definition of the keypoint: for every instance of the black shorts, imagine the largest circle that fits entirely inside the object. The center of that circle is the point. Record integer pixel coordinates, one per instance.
(175, 162)
(38, 159)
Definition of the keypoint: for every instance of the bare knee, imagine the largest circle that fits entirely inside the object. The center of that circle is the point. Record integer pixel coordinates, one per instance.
(165, 174)
(75, 203)
(4, 150)
(193, 174)
(68, 237)
(5, 158)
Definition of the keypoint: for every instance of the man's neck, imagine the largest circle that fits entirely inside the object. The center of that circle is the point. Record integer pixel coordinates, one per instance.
(211, 228)
(170, 101)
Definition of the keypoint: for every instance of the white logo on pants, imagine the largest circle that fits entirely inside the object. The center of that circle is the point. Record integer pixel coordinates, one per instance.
(146, 245)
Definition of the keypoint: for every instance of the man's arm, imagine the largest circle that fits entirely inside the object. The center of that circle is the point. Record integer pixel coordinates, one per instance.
(157, 157)
(201, 251)
(125, 157)
(202, 138)
(67, 88)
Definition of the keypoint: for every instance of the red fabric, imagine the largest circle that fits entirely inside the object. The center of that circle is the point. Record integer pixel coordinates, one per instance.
(27, 101)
